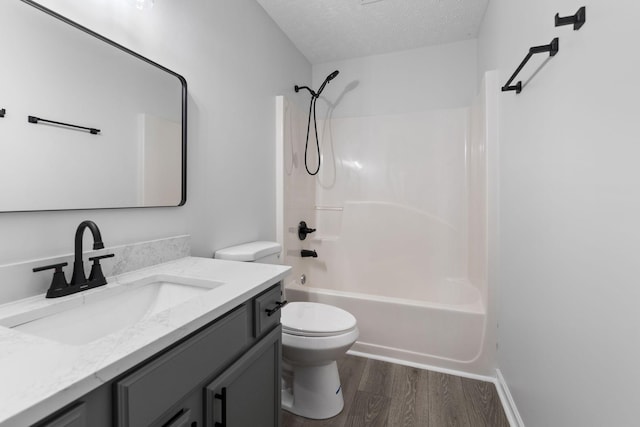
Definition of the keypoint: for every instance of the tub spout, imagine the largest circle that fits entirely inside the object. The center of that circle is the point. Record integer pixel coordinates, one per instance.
(307, 253)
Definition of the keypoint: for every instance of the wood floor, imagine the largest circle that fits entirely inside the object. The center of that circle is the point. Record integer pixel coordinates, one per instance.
(384, 394)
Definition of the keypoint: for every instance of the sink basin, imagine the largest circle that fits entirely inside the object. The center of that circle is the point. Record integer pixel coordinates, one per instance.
(109, 310)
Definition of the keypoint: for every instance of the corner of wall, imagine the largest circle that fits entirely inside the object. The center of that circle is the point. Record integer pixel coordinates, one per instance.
(508, 404)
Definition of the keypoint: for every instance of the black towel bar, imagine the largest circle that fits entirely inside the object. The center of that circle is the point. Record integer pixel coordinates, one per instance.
(552, 48)
(3, 112)
(36, 120)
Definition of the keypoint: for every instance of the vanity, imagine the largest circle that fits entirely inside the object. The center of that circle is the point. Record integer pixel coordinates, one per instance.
(189, 343)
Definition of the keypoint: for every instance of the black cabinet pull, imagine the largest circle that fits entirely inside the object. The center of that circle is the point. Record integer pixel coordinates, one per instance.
(223, 402)
(279, 305)
(181, 419)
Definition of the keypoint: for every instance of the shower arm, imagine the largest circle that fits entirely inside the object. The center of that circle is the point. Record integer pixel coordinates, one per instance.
(297, 89)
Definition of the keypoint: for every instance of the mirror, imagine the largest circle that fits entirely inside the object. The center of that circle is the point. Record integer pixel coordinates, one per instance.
(84, 122)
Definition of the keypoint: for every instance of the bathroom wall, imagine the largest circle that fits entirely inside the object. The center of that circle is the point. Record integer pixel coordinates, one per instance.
(235, 60)
(393, 181)
(432, 77)
(569, 208)
(295, 189)
(392, 194)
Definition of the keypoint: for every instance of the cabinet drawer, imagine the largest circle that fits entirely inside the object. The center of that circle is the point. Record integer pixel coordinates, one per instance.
(267, 310)
(147, 393)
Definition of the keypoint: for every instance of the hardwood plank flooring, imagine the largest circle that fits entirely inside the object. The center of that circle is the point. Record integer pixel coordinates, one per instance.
(387, 395)
(480, 395)
(404, 396)
(446, 401)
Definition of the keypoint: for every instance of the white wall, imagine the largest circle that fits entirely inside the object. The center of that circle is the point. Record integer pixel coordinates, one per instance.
(569, 210)
(235, 61)
(433, 77)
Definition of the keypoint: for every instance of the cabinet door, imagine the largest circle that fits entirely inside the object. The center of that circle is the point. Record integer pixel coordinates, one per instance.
(75, 417)
(248, 392)
(149, 392)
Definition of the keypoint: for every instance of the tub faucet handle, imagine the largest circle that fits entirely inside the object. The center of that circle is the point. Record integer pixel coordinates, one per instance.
(303, 230)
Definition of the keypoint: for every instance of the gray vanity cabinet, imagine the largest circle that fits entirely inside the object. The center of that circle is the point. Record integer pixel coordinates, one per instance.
(234, 360)
(74, 417)
(148, 396)
(248, 392)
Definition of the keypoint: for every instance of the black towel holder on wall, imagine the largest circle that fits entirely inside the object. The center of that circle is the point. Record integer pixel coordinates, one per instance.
(577, 20)
(3, 112)
(552, 48)
(36, 120)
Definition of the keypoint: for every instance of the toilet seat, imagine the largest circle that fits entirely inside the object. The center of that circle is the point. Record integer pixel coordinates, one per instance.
(312, 319)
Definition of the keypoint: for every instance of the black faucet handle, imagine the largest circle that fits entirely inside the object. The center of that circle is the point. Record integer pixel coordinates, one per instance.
(303, 230)
(96, 259)
(59, 285)
(57, 267)
(96, 277)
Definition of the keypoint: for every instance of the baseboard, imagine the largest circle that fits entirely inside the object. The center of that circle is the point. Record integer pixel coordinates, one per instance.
(421, 366)
(508, 404)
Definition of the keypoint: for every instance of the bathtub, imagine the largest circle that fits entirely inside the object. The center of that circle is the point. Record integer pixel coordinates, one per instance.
(445, 333)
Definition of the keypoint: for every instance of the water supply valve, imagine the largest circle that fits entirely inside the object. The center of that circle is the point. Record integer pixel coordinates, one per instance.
(303, 230)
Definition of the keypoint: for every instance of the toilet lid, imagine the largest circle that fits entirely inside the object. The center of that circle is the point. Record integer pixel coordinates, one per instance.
(315, 319)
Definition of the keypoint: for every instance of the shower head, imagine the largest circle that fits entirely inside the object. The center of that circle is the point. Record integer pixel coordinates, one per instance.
(327, 80)
(332, 75)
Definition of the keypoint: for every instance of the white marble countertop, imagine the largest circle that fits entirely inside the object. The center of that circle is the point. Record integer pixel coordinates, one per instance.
(39, 376)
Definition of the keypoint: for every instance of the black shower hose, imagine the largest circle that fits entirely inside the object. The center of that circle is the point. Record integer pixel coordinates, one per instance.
(312, 106)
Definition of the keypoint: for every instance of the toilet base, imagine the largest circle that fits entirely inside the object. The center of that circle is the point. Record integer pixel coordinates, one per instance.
(315, 391)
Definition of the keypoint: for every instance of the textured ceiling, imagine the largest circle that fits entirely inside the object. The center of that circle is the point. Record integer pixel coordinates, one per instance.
(330, 30)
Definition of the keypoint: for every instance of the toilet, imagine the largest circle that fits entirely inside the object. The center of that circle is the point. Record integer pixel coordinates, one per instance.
(314, 336)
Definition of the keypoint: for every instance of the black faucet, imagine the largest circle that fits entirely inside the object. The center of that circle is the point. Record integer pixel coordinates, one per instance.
(305, 253)
(78, 278)
(59, 286)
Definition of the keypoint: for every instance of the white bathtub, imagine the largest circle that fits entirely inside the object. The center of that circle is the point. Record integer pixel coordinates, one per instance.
(445, 333)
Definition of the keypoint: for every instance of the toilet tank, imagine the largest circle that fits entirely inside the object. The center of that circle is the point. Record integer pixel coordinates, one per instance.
(260, 252)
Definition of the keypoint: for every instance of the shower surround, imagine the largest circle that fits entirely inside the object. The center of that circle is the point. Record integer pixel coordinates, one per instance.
(400, 207)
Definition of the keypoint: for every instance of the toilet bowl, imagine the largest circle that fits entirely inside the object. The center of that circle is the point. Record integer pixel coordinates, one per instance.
(314, 336)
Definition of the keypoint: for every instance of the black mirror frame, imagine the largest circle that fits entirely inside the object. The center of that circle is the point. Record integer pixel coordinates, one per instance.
(182, 80)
